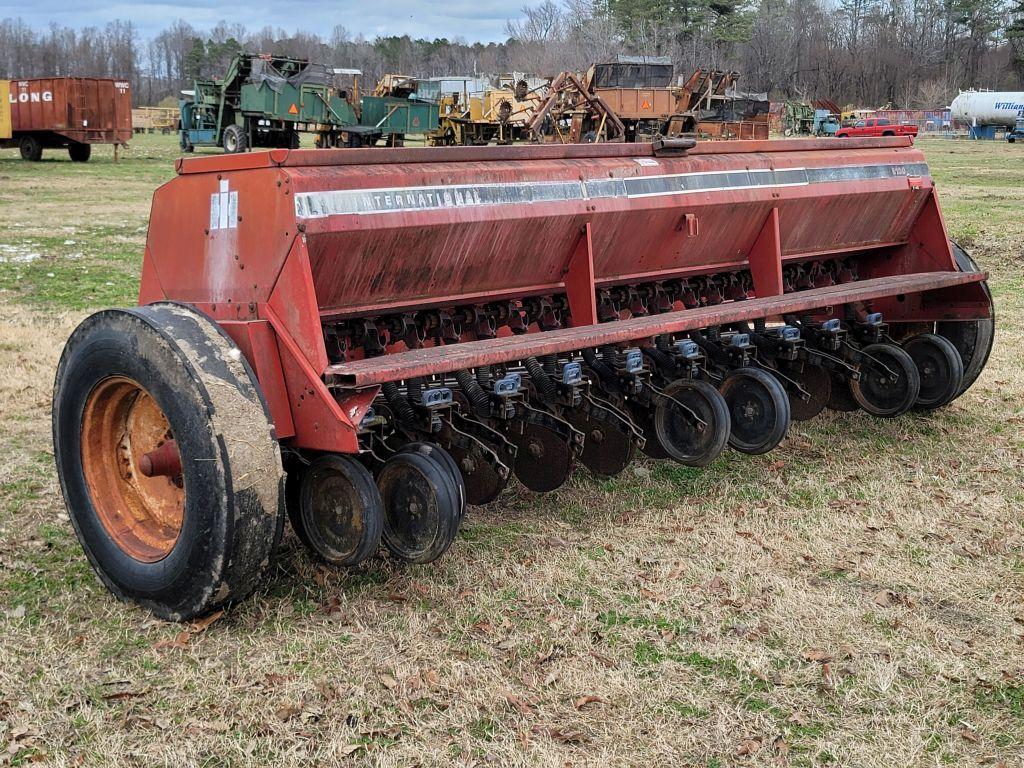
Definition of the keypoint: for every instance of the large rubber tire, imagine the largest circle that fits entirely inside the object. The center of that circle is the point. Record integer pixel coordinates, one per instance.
(31, 149)
(79, 153)
(232, 480)
(972, 338)
(234, 140)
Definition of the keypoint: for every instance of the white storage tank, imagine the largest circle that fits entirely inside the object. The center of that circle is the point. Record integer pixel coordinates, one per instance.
(988, 107)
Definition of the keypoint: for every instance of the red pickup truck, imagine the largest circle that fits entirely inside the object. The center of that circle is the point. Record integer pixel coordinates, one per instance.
(876, 126)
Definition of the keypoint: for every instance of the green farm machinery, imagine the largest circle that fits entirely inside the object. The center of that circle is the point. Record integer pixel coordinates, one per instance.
(267, 101)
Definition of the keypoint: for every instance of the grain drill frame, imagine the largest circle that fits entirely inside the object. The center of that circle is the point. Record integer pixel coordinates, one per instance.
(397, 332)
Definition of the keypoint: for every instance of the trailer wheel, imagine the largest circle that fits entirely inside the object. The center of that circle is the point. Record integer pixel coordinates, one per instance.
(889, 383)
(166, 458)
(31, 149)
(972, 338)
(338, 514)
(235, 139)
(80, 153)
(421, 511)
(758, 409)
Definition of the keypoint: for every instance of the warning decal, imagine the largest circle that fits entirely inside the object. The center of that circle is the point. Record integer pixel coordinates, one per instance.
(293, 110)
(224, 208)
(645, 105)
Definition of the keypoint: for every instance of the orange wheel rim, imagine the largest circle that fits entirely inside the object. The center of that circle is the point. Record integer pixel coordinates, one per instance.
(121, 424)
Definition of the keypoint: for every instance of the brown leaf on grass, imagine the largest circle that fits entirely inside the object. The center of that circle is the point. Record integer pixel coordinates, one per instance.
(797, 718)
(179, 641)
(561, 735)
(583, 701)
(122, 695)
(717, 585)
(287, 710)
(604, 660)
(968, 734)
(775, 466)
(884, 598)
(201, 625)
(347, 750)
(817, 654)
(749, 747)
(519, 704)
(780, 746)
(388, 682)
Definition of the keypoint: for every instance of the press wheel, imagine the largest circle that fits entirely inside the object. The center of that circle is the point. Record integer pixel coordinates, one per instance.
(421, 508)
(940, 368)
(683, 440)
(889, 382)
(758, 410)
(339, 514)
(439, 453)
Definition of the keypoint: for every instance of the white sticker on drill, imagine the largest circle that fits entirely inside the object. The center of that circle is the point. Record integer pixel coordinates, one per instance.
(224, 208)
(214, 211)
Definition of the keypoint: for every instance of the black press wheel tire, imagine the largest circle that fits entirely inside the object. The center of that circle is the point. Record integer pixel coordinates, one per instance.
(128, 382)
(758, 409)
(458, 486)
(31, 149)
(972, 338)
(338, 513)
(421, 510)
(679, 437)
(940, 368)
(235, 140)
(889, 383)
(79, 153)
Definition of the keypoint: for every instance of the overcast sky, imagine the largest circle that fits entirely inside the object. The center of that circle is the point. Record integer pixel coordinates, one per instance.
(479, 20)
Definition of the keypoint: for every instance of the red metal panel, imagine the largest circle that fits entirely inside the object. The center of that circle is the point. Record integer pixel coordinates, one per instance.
(431, 360)
(766, 258)
(411, 257)
(84, 109)
(256, 340)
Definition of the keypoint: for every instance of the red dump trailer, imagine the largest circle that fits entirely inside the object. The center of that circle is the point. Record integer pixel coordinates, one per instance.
(68, 112)
(369, 341)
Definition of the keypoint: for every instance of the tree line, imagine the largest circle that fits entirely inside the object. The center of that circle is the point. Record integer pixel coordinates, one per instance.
(904, 53)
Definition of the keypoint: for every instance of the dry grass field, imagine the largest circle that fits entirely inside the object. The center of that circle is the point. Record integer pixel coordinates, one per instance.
(852, 599)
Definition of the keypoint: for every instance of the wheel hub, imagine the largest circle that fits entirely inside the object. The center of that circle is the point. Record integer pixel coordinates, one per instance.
(123, 428)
